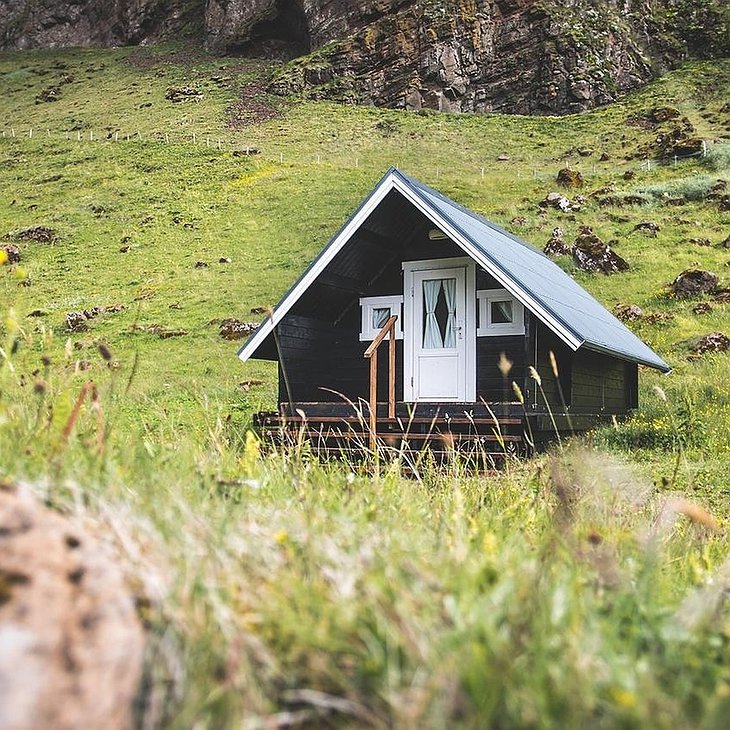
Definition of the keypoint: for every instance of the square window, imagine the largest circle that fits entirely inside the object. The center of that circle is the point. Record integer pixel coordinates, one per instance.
(375, 312)
(499, 313)
(380, 316)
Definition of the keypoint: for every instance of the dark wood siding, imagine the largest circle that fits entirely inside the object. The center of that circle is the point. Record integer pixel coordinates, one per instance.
(599, 383)
(492, 386)
(591, 382)
(557, 390)
(318, 358)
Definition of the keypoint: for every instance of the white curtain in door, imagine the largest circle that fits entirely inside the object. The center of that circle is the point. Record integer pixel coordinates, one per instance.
(450, 297)
(431, 333)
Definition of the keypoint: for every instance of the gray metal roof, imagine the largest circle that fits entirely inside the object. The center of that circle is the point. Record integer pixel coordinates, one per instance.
(542, 286)
(533, 271)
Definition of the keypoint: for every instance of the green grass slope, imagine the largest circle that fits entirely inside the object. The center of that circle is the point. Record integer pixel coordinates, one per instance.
(448, 600)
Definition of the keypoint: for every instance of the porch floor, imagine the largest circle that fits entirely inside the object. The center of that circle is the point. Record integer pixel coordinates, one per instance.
(484, 433)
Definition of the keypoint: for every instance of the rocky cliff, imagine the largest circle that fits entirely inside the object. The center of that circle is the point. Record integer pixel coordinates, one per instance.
(517, 56)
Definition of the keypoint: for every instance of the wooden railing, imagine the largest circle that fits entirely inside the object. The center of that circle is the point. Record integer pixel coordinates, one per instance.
(372, 354)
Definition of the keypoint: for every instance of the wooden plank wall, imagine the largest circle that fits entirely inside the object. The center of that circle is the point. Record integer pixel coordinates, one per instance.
(492, 386)
(592, 382)
(548, 342)
(599, 384)
(318, 355)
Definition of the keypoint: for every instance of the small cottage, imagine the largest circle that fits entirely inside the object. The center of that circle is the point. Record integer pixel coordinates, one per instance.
(417, 324)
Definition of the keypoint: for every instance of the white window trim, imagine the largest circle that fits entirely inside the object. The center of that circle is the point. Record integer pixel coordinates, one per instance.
(486, 328)
(392, 301)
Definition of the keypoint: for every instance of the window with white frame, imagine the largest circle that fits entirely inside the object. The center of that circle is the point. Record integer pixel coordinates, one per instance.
(375, 312)
(499, 313)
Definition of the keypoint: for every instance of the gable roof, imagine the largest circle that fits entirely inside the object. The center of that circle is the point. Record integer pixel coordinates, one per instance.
(530, 276)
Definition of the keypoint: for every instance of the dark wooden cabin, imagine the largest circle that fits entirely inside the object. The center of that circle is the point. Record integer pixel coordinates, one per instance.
(458, 310)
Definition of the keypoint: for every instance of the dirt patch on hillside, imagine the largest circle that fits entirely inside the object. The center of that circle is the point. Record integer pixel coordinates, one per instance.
(253, 105)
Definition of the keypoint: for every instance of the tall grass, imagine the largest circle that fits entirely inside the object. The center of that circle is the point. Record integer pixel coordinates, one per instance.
(279, 591)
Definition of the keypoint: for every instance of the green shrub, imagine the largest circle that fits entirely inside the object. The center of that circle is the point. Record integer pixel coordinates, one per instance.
(718, 158)
(692, 187)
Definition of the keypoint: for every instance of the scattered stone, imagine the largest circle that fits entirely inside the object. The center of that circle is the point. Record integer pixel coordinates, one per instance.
(725, 243)
(50, 93)
(620, 200)
(247, 152)
(659, 317)
(603, 190)
(721, 296)
(702, 308)
(522, 221)
(71, 644)
(557, 245)
(77, 321)
(246, 385)
(661, 114)
(720, 186)
(12, 254)
(712, 342)
(201, 265)
(503, 158)
(568, 178)
(604, 157)
(628, 312)
(590, 253)
(37, 234)
(629, 175)
(123, 249)
(725, 203)
(651, 229)
(234, 329)
(259, 310)
(38, 313)
(177, 94)
(693, 282)
(224, 260)
(684, 147)
(556, 200)
(701, 241)
(584, 151)
(164, 333)
(175, 305)
(633, 200)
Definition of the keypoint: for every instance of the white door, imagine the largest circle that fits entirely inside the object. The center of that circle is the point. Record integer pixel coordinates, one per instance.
(439, 334)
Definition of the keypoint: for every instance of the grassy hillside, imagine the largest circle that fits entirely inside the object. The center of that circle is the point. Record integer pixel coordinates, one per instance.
(446, 600)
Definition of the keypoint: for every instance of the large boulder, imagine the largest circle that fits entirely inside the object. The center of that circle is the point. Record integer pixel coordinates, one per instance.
(568, 178)
(693, 282)
(711, 342)
(71, 644)
(590, 253)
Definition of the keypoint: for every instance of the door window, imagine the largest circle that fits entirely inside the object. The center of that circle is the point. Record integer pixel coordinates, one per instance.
(439, 314)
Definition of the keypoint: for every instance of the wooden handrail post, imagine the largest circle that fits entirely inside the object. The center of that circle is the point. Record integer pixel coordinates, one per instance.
(373, 398)
(372, 354)
(391, 374)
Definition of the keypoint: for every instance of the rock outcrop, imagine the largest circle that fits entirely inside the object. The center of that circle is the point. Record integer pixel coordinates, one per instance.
(517, 56)
(71, 644)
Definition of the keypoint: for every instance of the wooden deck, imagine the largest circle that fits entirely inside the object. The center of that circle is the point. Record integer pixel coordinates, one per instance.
(476, 432)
